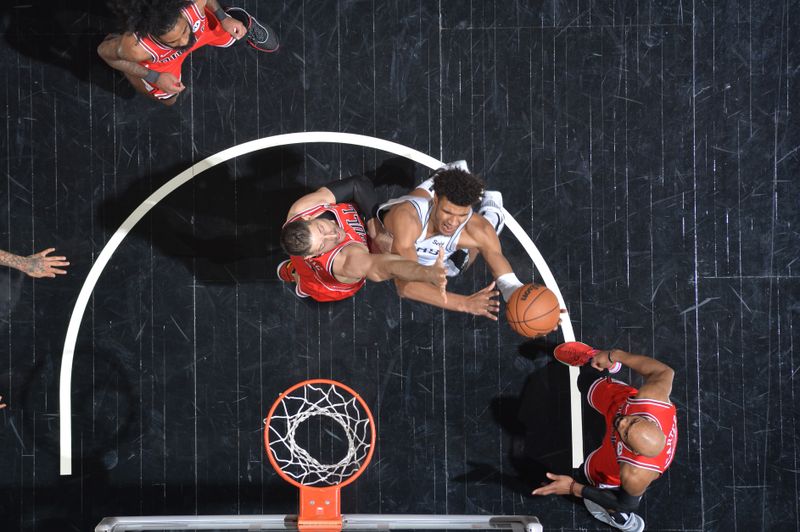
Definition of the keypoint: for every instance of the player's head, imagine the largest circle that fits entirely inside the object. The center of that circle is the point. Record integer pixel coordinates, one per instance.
(311, 237)
(455, 193)
(640, 434)
(158, 18)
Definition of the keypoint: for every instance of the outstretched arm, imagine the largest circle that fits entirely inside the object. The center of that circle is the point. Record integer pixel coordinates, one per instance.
(622, 500)
(356, 262)
(657, 375)
(36, 265)
(485, 240)
(404, 226)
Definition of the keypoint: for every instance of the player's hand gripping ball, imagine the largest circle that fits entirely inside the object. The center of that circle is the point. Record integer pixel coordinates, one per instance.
(533, 310)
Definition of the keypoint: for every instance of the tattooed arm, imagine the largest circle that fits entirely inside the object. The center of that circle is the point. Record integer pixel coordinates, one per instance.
(36, 265)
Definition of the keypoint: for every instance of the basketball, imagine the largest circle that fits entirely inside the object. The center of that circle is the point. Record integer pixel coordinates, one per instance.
(533, 310)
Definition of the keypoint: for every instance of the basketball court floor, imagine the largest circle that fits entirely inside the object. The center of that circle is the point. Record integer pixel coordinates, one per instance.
(648, 149)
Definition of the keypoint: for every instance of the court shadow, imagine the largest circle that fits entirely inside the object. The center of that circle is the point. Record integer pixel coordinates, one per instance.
(536, 422)
(102, 415)
(65, 36)
(224, 225)
(10, 289)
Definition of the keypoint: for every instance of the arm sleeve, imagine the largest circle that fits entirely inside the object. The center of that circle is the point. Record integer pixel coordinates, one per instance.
(359, 190)
(618, 500)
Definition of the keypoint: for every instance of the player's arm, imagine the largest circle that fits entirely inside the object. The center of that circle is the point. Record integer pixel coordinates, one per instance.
(318, 197)
(481, 236)
(37, 265)
(229, 24)
(621, 500)
(357, 189)
(123, 53)
(357, 262)
(488, 245)
(657, 375)
(404, 225)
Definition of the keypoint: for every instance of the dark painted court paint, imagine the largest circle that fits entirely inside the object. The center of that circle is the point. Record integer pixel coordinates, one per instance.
(650, 150)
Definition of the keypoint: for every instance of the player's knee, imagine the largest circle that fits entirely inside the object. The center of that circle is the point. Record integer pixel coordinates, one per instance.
(169, 101)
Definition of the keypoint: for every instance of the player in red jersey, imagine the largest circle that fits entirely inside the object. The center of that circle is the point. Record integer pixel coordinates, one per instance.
(639, 443)
(328, 245)
(160, 34)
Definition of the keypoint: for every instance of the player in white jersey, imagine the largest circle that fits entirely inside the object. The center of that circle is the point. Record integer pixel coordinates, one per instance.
(439, 212)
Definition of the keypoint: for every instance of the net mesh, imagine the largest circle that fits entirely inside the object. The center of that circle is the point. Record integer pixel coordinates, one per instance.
(319, 402)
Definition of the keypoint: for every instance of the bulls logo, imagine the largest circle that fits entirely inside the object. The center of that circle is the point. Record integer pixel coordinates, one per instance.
(196, 25)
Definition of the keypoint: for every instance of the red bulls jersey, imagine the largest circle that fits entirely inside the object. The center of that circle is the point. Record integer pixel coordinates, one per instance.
(206, 29)
(612, 398)
(316, 273)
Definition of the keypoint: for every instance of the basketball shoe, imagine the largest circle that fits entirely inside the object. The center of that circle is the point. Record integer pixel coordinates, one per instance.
(492, 209)
(286, 271)
(286, 274)
(259, 36)
(620, 521)
(578, 354)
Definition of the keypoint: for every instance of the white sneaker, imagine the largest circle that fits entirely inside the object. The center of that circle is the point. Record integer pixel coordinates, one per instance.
(635, 523)
(461, 164)
(492, 209)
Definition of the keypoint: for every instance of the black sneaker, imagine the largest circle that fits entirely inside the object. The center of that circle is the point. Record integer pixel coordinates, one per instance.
(259, 36)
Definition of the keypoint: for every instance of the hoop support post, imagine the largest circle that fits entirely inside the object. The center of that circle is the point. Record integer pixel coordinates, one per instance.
(320, 509)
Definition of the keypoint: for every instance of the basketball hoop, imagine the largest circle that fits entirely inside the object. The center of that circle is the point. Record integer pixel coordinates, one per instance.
(319, 480)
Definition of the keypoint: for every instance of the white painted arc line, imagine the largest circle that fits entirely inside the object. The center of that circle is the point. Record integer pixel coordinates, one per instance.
(70, 340)
(576, 421)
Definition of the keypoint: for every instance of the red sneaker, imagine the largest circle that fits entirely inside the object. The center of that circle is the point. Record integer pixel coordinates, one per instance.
(286, 271)
(574, 353)
(578, 354)
(286, 274)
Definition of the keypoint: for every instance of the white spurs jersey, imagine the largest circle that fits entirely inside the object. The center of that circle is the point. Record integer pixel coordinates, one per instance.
(427, 248)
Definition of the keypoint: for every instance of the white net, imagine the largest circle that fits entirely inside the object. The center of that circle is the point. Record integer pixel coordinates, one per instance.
(340, 420)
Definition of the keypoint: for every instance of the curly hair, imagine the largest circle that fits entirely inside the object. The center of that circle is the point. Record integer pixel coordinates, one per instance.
(458, 186)
(296, 238)
(148, 17)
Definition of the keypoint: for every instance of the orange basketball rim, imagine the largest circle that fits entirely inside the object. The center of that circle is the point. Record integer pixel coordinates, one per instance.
(319, 482)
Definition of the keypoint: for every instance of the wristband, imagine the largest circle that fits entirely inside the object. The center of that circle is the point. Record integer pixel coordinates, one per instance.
(507, 284)
(152, 77)
(221, 14)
